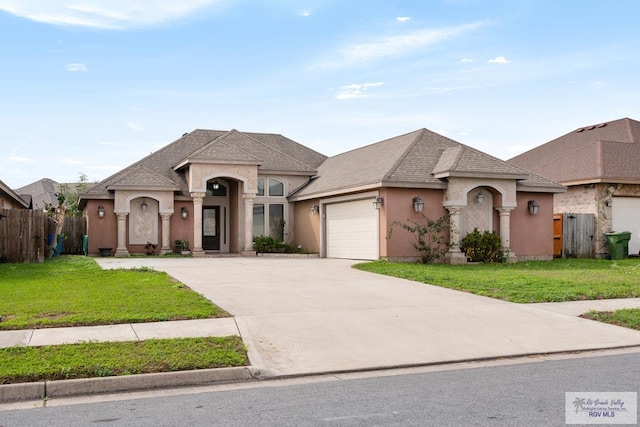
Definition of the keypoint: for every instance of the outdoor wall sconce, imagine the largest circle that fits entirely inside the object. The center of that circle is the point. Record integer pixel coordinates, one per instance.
(184, 212)
(418, 204)
(608, 203)
(533, 207)
(480, 197)
(144, 205)
(315, 209)
(215, 184)
(378, 202)
(100, 211)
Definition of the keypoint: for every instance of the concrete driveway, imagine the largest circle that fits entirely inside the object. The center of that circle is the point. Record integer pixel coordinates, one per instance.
(301, 316)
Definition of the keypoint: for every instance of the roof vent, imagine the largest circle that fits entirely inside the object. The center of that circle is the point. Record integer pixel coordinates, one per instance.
(580, 130)
(591, 127)
(601, 125)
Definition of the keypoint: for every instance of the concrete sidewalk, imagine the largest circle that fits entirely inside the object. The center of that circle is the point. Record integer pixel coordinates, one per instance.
(221, 327)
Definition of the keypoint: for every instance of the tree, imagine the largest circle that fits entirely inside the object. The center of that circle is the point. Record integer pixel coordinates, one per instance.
(68, 201)
(71, 195)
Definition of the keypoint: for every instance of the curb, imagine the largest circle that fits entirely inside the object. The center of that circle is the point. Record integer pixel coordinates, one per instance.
(138, 382)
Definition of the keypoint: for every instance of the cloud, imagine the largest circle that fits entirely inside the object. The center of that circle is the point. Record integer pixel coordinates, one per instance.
(356, 90)
(398, 45)
(115, 14)
(305, 13)
(466, 60)
(403, 19)
(20, 159)
(499, 60)
(75, 67)
(135, 126)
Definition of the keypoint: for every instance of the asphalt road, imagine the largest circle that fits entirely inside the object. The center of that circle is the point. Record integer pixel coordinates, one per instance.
(527, 393)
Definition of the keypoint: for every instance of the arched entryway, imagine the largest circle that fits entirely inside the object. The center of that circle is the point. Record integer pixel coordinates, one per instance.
(216, 216)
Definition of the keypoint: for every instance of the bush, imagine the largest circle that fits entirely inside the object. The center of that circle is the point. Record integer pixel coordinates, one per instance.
(482, 247)
(430, 240)
(267, 244)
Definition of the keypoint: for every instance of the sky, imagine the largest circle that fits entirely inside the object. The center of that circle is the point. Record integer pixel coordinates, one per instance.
(89, 87)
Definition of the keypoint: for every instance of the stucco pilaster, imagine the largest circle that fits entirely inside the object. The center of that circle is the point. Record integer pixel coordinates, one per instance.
(166, 229)
(454, 256)
(197, 224)
(121, 250)
(248, 224)
(505, 232)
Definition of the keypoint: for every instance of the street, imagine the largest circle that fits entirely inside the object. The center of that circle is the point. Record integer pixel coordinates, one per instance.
(520, 392)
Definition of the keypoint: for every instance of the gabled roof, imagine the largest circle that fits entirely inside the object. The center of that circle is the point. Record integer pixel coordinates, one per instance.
(420, 159)
(161, 169)
(605, 152)
(12, 195)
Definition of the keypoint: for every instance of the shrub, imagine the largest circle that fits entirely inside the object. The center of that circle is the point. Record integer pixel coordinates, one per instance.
(267, 244)
(429, 238)
(482, 247)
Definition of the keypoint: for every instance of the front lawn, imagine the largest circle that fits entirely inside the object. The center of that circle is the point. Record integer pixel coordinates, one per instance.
(526, 282)
(75, 291)
(87, 360)
(628, 317)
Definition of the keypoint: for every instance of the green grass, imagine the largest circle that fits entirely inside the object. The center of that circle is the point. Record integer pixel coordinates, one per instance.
(628, 317)
(75, 291)
(88, 360)
(527, 282)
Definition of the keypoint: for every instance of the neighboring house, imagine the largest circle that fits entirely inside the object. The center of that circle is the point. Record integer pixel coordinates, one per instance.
(220, 189)
(600, 165)
(9, 199)
(41, 192)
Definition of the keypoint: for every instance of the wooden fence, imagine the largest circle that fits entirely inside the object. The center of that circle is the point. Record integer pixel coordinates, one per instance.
(24, 234)
(578, 240)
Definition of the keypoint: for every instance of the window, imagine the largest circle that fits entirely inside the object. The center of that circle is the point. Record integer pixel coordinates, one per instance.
(276, 188)
(276, 221)
(269, 209)
(260, 187)
(258, 219)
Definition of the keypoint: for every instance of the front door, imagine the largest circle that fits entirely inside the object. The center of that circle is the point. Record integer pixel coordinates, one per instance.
(211, 228)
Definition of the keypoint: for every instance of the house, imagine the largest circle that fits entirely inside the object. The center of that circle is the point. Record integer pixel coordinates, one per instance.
(600, 166)
(219, 189)
(9, 199)
(42, 193)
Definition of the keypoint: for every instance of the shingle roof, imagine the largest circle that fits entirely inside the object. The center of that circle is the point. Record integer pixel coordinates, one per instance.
(606, 152)
(420, 158)
(4, 188)
(42, 192)
(272, 152)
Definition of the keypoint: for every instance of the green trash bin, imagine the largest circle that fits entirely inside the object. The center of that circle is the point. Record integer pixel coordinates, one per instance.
(618, 244)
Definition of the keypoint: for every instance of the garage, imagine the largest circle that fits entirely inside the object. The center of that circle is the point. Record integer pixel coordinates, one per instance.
(352, 230)
(625, 218)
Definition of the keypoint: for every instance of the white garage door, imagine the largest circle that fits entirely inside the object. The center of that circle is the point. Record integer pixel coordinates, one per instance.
(625, 218)
(352, 230)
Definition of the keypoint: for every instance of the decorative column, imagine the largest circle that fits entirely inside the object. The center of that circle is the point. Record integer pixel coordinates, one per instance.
(505, 232)
(197, 250)
(121, 250)
(454, 256)
(166, 228)
(248, 224)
